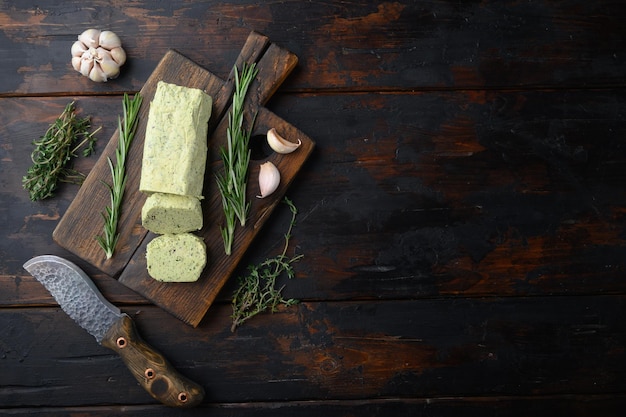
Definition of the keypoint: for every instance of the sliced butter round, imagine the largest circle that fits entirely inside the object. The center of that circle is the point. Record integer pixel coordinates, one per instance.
(176, 258)
(169, 213)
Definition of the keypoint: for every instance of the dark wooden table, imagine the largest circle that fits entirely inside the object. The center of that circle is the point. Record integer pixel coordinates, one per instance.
(462, 219)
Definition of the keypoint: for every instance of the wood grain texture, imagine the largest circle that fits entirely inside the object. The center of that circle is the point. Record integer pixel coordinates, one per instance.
(461, 218)
(320, 351)
(468, 208)
(565, 406)
(389, 45)
(472, 193)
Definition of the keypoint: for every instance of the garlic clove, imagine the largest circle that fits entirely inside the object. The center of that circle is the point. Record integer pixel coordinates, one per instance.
(76, 61)
(86, 65)
(102, 53)
(109, 40)
(90, 38)
(110, 67)
(269, 179)
(280, 144)
(78, 48)
(96, 74)
(118, 55)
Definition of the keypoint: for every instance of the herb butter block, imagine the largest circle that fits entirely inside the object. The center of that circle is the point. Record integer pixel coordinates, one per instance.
(176, 258)
(171, 213)
(175, 146)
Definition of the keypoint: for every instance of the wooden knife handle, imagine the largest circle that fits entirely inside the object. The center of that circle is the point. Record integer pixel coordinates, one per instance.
(150, 368)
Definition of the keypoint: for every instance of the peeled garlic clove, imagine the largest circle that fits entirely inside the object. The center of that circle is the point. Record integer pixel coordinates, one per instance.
(280, 144)
(109, 40)
(96, 74)
(269, 178)
(90, 38)
(118, 55)
(78, 48)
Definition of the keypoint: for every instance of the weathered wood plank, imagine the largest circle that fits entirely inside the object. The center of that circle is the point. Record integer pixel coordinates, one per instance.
(462, 218)
(463, 193)
(333, 350)
(365, 45)
(553, 406)
(475, 193)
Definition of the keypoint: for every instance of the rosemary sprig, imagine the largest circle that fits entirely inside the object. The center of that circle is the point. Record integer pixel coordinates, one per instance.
(257, 291)
(236, 158)
(111, 215)
(54, 151)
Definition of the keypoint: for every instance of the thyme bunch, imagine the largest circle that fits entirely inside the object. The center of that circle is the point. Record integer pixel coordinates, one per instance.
(111, 215)
(257, 290)
(54, 151)
(232, 183)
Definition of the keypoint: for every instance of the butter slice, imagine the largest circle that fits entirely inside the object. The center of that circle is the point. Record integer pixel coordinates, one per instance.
(175, 147)
(171, 213)
(176, 258)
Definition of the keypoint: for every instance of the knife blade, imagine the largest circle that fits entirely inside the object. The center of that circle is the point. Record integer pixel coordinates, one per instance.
(80, 299)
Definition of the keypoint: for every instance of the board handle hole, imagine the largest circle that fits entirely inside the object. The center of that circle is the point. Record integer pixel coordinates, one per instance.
(259, 148)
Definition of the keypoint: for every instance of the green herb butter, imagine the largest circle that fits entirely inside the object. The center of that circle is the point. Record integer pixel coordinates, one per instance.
(170, 213)
(176, 258)
(175, 147)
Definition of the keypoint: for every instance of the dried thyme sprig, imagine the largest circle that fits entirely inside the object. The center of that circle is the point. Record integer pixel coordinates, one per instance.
(236, 158)
(257, 291)
(54, 151)
(111, 215)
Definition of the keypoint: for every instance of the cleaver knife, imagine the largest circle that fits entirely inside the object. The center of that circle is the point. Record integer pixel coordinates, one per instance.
(80, 299)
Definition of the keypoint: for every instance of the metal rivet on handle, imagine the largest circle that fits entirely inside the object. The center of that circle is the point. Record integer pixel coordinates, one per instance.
(121, 342)
(149, 373)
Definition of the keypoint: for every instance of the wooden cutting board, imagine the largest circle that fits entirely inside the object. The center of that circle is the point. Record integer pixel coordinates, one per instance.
(82, 221)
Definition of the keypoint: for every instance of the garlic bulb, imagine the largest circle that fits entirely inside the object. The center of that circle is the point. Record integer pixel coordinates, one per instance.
(280, 144)
(269, 178)
(98, 55)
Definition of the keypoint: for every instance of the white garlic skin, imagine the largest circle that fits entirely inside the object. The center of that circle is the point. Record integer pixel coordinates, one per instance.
(269, 179)
(86, 64)
(110, 67)
(280, 144)
(78, 48)
(76, 60)
(90, 38)
(98, 55)
(97, 74)
(118, 55)
(109, 40)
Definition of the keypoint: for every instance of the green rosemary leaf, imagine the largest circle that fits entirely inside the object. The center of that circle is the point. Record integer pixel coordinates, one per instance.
(126, 128)
(236, 159)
